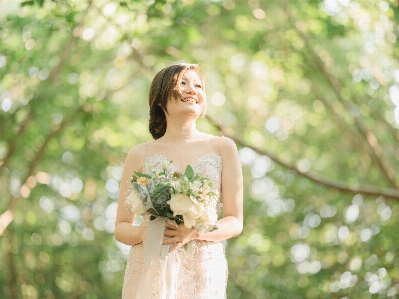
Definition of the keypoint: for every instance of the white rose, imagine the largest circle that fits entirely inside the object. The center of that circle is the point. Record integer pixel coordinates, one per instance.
(180, 203)
(133, 203)
(196, 210)
(189, 222)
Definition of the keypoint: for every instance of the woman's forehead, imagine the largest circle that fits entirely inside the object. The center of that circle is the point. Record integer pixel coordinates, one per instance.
(190, 75)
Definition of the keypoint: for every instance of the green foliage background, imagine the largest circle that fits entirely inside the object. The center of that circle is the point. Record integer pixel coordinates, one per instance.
(308, 89)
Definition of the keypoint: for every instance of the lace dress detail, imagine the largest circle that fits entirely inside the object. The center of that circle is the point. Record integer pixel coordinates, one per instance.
(203, 274)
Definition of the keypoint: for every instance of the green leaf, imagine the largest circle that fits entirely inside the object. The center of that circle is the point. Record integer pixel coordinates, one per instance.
(40, 2)
(189, 173)
(139, 174)
(179, 219)
(153, 213)
(27, 3)
(213, 228)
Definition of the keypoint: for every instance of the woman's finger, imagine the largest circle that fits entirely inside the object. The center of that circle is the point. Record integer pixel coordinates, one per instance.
(167, 240)
(169, 233)
(170, 226)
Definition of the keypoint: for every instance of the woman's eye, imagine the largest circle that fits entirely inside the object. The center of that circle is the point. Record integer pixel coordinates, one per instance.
(198, 86)
(183, 83)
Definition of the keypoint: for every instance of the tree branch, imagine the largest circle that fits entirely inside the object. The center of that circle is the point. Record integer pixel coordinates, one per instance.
(53, 77)
(353, 137)
(135, 55)
(335, 184)
(7, 217)
(13, 143)
(336, 116)
(370, 138)
(11, 268)
(55, 72)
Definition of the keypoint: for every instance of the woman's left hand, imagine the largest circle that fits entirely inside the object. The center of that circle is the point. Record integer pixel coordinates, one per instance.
(178, 235)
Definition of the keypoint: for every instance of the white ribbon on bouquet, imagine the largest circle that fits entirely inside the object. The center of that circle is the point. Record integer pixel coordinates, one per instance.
(157, 256)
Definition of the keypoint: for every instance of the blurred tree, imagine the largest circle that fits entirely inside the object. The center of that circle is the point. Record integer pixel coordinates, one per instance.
(309, 90)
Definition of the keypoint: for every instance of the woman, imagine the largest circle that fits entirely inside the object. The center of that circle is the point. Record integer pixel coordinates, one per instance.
(177, 99)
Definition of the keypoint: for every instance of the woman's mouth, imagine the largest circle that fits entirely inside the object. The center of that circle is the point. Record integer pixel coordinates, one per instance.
(189, 100)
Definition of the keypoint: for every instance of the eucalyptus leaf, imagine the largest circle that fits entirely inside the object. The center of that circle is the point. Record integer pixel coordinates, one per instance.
(189, 173)
(139, 174)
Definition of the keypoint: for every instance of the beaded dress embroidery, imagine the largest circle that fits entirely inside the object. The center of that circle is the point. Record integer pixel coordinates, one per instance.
(203, 274)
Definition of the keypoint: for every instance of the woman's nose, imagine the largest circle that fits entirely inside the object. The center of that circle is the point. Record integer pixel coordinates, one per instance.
(190, 89)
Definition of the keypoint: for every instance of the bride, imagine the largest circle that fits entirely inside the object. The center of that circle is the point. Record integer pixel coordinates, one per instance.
(177, 99)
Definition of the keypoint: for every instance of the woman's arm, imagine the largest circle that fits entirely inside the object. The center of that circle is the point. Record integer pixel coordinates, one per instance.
(125, 232)
(231, 224)
(232, 195)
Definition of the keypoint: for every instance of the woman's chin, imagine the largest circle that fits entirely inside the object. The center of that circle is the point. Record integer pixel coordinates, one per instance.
(194, 109)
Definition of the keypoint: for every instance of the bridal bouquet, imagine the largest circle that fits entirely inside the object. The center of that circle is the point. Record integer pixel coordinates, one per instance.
(185, 198)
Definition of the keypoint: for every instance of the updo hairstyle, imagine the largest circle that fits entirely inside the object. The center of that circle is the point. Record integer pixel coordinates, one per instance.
(165, 86)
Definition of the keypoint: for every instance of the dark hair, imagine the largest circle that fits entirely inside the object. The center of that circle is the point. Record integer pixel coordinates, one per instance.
(165, 86)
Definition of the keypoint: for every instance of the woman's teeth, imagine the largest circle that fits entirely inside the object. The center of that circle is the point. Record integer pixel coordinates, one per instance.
(189, 100)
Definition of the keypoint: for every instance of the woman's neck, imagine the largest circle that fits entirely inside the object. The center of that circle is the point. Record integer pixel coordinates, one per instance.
(177, 130)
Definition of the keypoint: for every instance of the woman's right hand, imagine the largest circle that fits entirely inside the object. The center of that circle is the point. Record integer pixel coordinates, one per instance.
(178, 235)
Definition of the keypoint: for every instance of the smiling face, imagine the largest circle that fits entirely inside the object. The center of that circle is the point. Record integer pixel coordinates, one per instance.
(191, 96)
(178, 88)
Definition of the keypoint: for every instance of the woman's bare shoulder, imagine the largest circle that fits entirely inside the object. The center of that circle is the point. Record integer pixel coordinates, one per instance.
(136, 155)
(223, 142)
(137, 150)
(223, 145)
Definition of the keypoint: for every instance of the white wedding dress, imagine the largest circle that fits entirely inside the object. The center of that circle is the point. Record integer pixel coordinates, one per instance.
(202, 274)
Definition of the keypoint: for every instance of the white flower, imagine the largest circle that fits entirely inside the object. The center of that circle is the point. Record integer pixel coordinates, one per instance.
(133, 203)
(164, 164)
(209, 216)
(188, 221)
(206, 188)
(176, 186)
(195, 187)
(196, 211)
(180, 203)
(194, 200)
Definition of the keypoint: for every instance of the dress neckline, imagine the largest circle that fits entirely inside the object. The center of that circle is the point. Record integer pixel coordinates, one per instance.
(193, 165)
